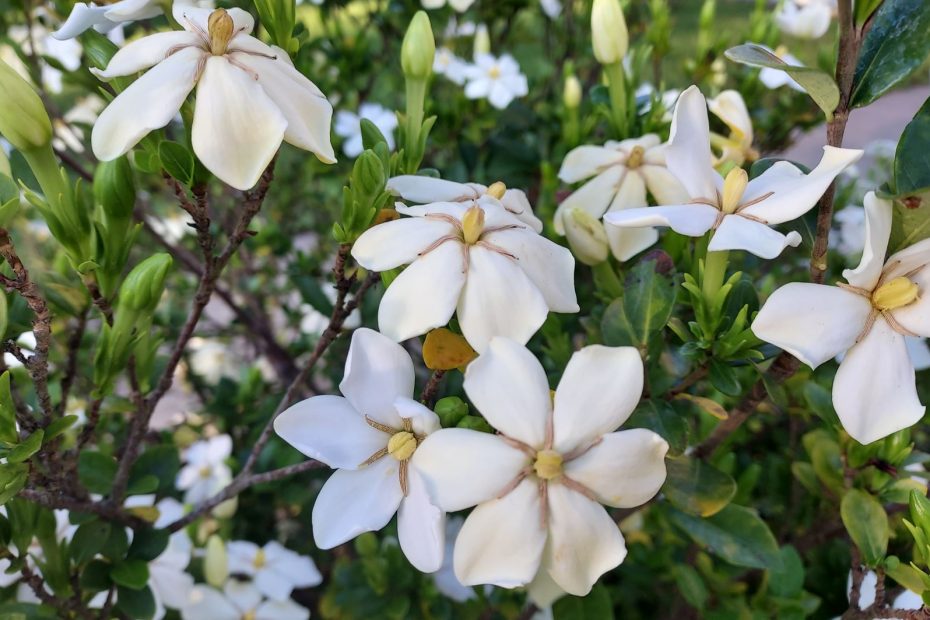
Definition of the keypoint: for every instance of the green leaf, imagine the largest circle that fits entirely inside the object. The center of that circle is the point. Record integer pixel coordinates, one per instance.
(177, 161)
(723, 377)
(867, 524)
(697, 488)
(595, 606)
(644, 309)
(148, 544)
(662, 418)
(116, 544)
(691, 586)
(138, 603)
(820, 86)
(788, 581)
(130, 573)
(895, 46)
(96, 471)
(912, 157)
(96, 576)
(864, 9)
(8, 432)
(159, 461)
(88, 540)
(27, 448)
(59, 426)
(13, 478)
(736, 534)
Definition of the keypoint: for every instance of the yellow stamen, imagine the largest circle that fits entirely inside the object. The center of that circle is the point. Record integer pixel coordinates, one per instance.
(249, 615)
(895, 294)
(733, 187)
(635, 158)
(548, 464)
(497, 190)
(473, 225)
(494, 72)
(260, 560)
(220, 27)
(205, 471)
(402, 445)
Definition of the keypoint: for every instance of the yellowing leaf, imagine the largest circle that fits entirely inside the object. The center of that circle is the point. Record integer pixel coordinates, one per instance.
(445, 350)
(710, 406)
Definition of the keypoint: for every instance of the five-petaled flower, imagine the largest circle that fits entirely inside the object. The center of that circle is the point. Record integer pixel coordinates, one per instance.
(249, 96)
(498, 80)
(538, 485)
(274, 569)
(369, 437)
(474, 258)
(868, 318)
(739, 211)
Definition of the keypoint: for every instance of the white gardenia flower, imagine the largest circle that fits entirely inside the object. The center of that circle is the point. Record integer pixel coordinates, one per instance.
(239, 600)
(348, 125)
(446, 63)
(498, 80)
(274, 570)
(474, 259)
(105, 17)
(805, 19)
(205, 472)
(738, 211)
(67, 53)
(368, 436)
(459, 5)
(736, 148)
(249, 96)
(539, 483)
(868, 317)
(620, 174)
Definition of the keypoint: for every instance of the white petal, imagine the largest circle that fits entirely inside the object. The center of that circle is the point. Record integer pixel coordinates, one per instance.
(692, 220)
(272, 585)
(502, 540)
(626, 469)
(813, 322)
(631, 193)
(306, 109)
(421, 189)
(462, 467)
(425, 294)
(794, 199)
(508, 385)
(453, 209)
(625, 243)
(663, 185)
(586, 161)
(148, 103)
(298, 570)
(281, 610)
(688, 155)
(147, 51)
(515, 201)
(543, 591)
(192, 18)
(739, 233)
(208, 603)
(237, 127)
(594, 196)
(171, 586)
(874, 391)
(423, 420)
(499, 299)
(398, 242)
(915, 317)
(877, 233)
(550, 266)
(130, 10)
(240, 556)
(244, 595)
(421, 527)
(729, 107)
(584, 542)
(598, 391)
(329, 429)
(377, 372)
(353, 502)
(81, 18)
(908, 260)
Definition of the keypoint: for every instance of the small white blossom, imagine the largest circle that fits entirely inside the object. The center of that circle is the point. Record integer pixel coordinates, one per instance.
(805, 19)
(348, 125)
(239, 600)
(274, 570)
(447, 64)
(498, 80)
(205, 472)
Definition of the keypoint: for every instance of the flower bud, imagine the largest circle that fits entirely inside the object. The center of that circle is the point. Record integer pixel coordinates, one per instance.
(23, 119)
(608, 32)
(368, 175)
(227, 509)
(482, 43)
(216, 564)
(571, 95)
(419, 48)
(450, 410)
(5, 169)
(114, 189)
(144, 285)
(586, 236)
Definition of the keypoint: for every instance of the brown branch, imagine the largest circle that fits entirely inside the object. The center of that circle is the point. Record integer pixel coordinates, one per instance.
(431, 389)
(71, 366)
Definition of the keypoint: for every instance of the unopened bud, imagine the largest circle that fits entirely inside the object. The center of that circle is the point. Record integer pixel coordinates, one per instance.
(482, 43)
(571, 95)
(419, 48)
(23, 119)
(609, 34)
(450, 410)
(114, 189)
(227, 509)
(368, 174)
(216, 564)
(586, 236)
(145, 284)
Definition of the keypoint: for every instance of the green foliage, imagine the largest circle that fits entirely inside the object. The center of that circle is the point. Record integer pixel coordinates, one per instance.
(867, 524)
(736, 533)
(697, 488)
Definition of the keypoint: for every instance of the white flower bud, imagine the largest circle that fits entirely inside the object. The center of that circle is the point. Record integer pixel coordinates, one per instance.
(482, 41)
(608, 32)
(586, 236)
(571, 95)
(216, 564)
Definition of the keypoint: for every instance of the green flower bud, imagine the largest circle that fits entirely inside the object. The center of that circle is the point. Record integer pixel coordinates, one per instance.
(571, 95)
(482, 43)
(920, 511)
(23, 119)
(114, 188)
(216, 564)
(145, 284)
(608, 32)
(5, 169)
(419, 48)
(368, 175)
(450, 410)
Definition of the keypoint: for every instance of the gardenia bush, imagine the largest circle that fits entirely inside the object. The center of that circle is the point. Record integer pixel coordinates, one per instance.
(468, 309)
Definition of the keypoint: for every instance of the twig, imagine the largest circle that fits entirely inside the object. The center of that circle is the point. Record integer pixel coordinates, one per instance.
(74, 348)
(431, 389)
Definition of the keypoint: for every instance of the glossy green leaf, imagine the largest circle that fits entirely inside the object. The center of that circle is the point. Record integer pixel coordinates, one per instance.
(644, 309)
(131, 574)
(788, 581)
(736, 534)
(912, 156)
(662, 418)
(8, 432)
(867, 524)
(894, 47)
(148, 544)
(697, 488)
(96, 471)
(136, 603)
(88, 540)
(27, 448)
(177, 161)
(820, 86)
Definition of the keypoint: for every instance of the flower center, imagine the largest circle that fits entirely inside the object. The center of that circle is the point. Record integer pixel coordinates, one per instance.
(249, 615)
(496, 190)
(205, 471)
(260, 560)
(733, 187)
(635, 158)
(494, 72)
(548, 464)
(220, 28)
(895, 294)
(473, 224)
(401, 445)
